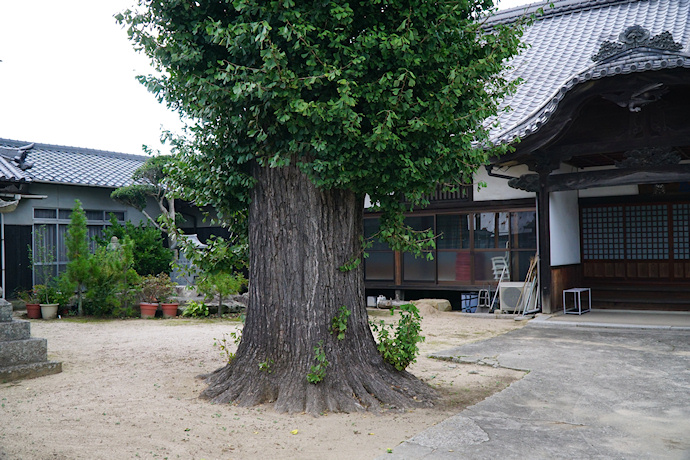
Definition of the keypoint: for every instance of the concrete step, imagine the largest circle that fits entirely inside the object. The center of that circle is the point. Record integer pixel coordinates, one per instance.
(15, 330)
(29, 371)
(26, 351)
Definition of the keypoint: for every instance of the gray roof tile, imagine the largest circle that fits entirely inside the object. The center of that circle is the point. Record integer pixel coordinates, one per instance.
(562, 43)
(76, 166)
(9, 171)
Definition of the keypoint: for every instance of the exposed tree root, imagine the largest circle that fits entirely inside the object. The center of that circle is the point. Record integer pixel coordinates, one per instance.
(355, 388)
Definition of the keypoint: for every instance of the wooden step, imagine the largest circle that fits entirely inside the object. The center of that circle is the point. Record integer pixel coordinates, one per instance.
(642, 297)
(639, 302)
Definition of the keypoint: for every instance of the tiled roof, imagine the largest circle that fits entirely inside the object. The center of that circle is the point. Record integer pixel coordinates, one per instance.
(73, 165)
(9, 170)
(562, 42)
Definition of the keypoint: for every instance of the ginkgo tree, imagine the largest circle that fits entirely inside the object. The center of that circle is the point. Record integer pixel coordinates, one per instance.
(302, 108)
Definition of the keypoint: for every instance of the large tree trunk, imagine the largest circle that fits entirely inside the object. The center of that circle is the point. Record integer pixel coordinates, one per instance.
(299, 235)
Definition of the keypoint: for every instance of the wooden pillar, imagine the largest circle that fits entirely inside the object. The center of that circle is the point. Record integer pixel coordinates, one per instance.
(544, 239)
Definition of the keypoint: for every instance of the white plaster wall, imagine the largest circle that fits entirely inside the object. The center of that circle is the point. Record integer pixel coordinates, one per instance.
(497, 188)
(564, 222)
(619, 190)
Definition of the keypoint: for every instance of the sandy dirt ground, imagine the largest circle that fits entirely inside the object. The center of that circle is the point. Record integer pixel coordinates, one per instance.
(128, 390)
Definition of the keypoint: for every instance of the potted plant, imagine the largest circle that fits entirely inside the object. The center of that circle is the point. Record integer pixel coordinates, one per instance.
(155, 289)
(169, 309)
(30, 298)
(49, 300)
(167, 305)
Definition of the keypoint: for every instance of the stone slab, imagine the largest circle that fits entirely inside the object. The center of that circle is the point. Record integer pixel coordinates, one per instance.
(29, 371)
(591, 393)
(25, 351)
(453, 434)
(15, 330)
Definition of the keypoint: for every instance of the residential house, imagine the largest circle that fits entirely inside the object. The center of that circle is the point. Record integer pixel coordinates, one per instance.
(39, 184)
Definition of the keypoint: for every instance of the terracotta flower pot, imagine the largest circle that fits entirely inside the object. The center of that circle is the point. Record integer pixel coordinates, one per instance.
(148, 309)
(169, 309)
(49, 310)
(33, 310)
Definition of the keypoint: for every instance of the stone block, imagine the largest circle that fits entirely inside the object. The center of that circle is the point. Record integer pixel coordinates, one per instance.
(29, 371)
(438, 304)
(16, 330)
(25, 351)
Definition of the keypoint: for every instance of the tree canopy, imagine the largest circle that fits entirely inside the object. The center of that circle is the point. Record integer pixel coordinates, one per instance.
(385, 98)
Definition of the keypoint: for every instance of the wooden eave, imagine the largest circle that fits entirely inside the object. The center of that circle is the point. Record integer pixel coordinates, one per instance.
(598, 124)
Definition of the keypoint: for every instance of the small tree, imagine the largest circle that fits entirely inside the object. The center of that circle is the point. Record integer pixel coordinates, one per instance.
(221, 284)
(78, 252)
(149, 181)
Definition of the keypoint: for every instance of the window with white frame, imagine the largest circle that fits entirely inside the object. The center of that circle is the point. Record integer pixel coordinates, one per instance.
(49, 253)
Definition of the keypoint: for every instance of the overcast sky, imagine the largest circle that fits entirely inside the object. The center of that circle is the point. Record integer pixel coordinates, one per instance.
(67, 77)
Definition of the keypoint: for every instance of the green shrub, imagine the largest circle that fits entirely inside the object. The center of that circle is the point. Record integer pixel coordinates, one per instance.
(111, 287)
(158, 288)
(195, 310)
(236, 338)
(398, 343)
(151, 257)
(221, 284)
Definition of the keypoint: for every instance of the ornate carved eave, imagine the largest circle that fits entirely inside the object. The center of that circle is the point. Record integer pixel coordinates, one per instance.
(604, 178)
(526, 182)
(649, 157)
(636, 37)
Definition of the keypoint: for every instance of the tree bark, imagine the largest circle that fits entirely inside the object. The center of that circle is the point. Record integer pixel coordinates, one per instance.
(299, 235)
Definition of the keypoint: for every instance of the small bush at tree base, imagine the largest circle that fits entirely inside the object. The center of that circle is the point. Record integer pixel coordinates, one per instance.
(398, 343)
(224, 346)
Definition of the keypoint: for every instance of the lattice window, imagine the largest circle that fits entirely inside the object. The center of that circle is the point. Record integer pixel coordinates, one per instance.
(602, 233)
(681, 231)
(647, 232)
